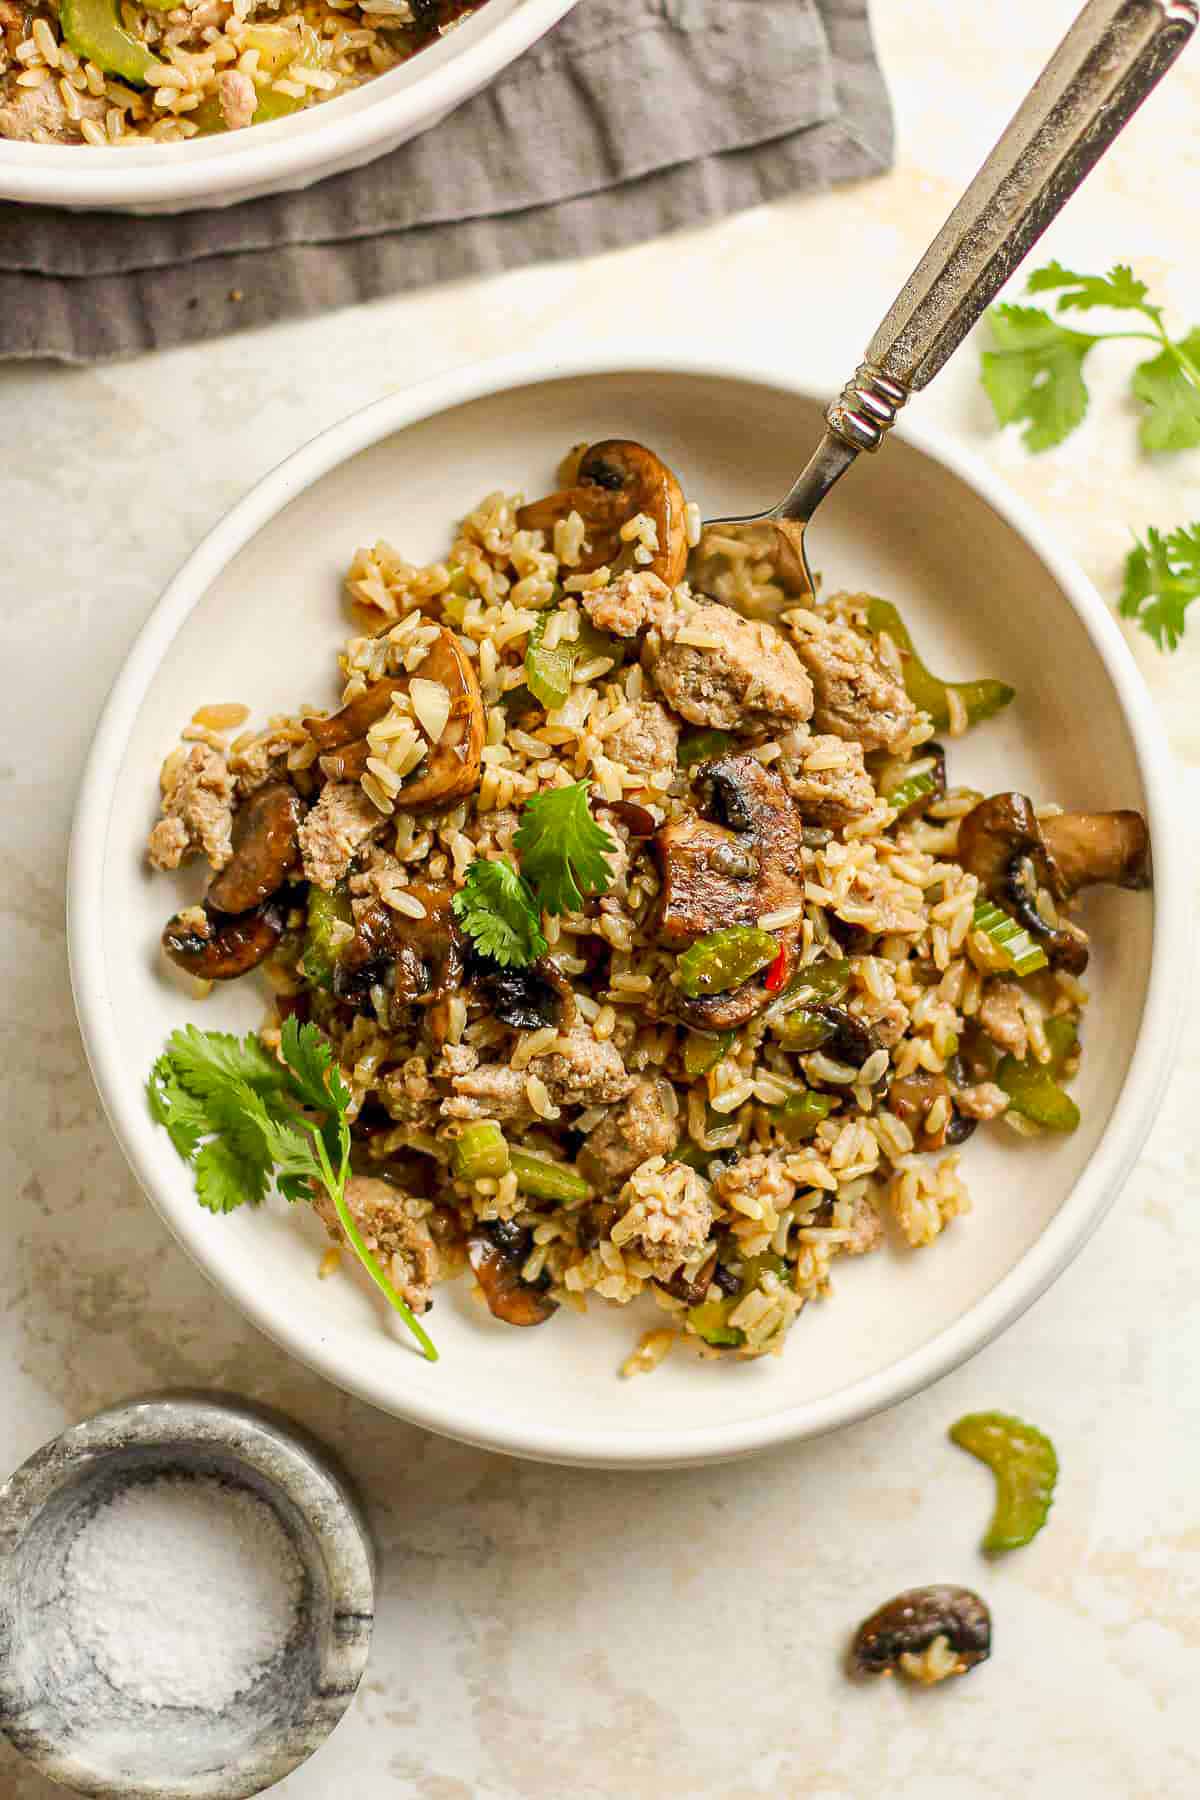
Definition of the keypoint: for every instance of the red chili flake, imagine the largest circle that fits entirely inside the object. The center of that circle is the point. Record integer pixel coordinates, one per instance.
(777, 974)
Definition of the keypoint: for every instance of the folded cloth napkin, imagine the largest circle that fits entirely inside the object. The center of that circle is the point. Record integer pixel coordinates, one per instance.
(631, 118)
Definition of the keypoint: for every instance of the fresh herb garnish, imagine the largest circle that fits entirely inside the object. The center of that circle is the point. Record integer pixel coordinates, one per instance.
(1162, 578)
(563, 851)
(244, 1121)
(1035, 371)
(497, 910)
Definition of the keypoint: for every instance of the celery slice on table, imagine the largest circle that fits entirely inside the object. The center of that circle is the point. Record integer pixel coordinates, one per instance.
(1025, 1465)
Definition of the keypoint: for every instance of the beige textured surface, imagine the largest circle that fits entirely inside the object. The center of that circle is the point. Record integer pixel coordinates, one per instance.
(551, 1632)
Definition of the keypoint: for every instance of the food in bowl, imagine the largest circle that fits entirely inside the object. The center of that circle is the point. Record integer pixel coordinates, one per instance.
(656, 951)
(106, 72)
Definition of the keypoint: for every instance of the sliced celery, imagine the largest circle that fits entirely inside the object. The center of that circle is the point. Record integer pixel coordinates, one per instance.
(480, 1151)
(1001, 929)
(546, 1180)
(702, 1053)
(94, 32)
(725, 959)
(980, 698)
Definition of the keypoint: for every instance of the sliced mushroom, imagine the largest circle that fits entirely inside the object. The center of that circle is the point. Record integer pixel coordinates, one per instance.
(1086, 848)
(694, 1291)
(732, 867)
(909, 1625)
(451, 768)
(913, 1097)
(1014, 854)
(418, 960)
(266, 849)
(617, 480)
(525, 998)
(222, 946)
(594, 1221)
(852, 1043)
(497, 1253)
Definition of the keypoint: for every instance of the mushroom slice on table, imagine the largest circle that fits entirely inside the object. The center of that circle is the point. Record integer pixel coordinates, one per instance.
(907, 1634)
(1013, 854)
(618, 480)
(450, 770)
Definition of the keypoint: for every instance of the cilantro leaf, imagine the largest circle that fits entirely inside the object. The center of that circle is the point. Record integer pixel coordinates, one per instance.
(207, 1062)
(497, 910)
(1163, 385)
(1119, 288)
(309, 1058)
(1162, 578)
(245, 1121)
(563, 851)
(1035, 373)
(225, 1179)
(181, 1114)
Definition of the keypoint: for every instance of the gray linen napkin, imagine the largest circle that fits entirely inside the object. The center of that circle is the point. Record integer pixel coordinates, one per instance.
(632, 118)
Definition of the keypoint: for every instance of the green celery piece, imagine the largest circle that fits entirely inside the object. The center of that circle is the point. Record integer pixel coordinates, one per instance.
(1025, 1465)
(906, 793)
(480, 1151)
(827, 979)
(804, 1030)
(1033, 1088)
(702, 1052)
(324, 912)
(982, 699)
(692, 1156)
(800, 1114)
(460, 581)
(701, 746)
(710, 1320)
(1001, 929)
(725, 959)
(546, 1180)
(547, 672)
(94, 32)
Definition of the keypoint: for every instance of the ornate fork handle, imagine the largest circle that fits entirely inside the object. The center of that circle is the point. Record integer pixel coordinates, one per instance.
(1113, 55)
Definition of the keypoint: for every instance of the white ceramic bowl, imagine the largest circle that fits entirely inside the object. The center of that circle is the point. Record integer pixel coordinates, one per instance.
(255, 616)
(292, 153)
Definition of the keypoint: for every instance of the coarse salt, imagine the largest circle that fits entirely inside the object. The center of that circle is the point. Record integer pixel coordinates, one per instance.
(183, 1590)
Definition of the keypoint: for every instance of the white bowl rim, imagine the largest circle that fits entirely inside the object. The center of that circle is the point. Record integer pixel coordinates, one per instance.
(1078, 1216)
(284, 154)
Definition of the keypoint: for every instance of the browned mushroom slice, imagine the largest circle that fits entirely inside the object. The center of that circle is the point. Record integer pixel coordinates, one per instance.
(913, 1097)
(694, 1291)
(1013, 854)
(266, 849)
(909, 1627)
(497, 1252)
(617, 480)
(743, 862)
(1086, 848)
(451, 768)
(220, 947)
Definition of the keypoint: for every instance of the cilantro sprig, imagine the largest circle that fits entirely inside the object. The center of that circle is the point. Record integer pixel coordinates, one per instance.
(1162, 578)
(244, 1122)
(564, 853)
(564, 856)
(497, 910)
(1034, 373)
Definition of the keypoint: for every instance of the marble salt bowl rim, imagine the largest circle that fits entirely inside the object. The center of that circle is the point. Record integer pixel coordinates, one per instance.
(193, 1434)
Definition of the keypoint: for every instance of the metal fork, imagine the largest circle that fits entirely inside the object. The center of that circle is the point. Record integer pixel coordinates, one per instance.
(1113, 55)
